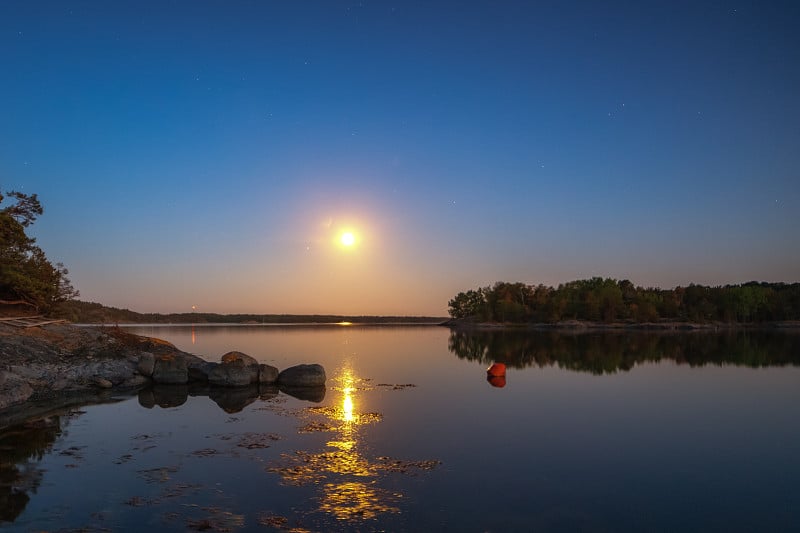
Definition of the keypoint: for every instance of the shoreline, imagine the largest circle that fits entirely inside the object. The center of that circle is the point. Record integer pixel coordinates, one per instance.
(57, 365)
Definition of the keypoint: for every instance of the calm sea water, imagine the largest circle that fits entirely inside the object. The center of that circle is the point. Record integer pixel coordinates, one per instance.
(594, 432)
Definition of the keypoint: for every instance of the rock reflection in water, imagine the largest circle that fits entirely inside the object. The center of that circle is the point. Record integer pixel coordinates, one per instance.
(22, 446)
(349, 480)
(229, 399)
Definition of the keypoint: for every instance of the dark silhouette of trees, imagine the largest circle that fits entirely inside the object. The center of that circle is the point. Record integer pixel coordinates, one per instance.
(609, 300)
(27, 277)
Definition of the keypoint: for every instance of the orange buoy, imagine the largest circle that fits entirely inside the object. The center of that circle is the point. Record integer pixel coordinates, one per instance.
(496, 381)
(497, 369)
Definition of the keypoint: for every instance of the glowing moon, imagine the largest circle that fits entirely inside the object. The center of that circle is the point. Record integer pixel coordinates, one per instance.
(347, 239)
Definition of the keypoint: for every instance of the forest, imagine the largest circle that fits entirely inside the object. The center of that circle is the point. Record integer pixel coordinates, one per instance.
(609, 300)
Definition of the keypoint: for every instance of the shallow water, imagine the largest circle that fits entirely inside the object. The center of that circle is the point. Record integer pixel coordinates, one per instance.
(596, 432)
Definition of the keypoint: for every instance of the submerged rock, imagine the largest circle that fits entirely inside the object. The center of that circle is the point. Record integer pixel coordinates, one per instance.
(300, 376)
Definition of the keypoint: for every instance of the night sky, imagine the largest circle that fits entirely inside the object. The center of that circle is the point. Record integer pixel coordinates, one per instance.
(210, 154)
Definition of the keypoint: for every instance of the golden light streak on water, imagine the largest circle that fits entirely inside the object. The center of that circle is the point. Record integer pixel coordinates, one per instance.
(347, 395)
(347, 477)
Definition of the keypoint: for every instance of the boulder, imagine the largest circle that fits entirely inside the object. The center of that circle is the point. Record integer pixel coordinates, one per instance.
(235, 370)
(146, 364)
(302, 376)
(170, 370)
(232, 376)
(135, 382)
(267, 374)
(238, 358)
(101, 382)
(199, 369)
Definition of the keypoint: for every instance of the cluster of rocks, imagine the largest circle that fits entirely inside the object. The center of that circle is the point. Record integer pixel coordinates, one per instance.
(236, 369)
(50, 363)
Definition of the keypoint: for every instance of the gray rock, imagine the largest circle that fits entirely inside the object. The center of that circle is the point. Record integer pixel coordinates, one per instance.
(135, 382)
(30, 372)
(146, 364)
(267, 374)
(116, 371)
(199, 369)
(13, 389)
(103, 383)
(236, 370)
(170, 370)
(233, 375)
(302, 376)
(238, 358)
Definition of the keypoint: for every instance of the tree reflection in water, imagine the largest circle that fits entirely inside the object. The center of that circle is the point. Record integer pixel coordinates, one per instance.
(609, 352)
(349, 479)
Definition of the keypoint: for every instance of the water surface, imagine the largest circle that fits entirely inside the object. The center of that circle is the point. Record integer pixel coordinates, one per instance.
(594, 432)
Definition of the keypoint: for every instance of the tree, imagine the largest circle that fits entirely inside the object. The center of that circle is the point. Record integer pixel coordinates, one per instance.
(26, 275)
(470, 304)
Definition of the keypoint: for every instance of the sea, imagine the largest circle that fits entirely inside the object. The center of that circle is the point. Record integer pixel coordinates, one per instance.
(577, 431)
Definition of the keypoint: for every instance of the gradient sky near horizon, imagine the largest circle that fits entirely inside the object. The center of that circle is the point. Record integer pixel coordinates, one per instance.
(209, 154)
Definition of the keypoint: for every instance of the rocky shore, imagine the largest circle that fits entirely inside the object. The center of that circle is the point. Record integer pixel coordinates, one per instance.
(57, 362)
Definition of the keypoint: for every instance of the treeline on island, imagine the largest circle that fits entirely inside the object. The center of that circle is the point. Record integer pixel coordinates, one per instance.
(95, 313)
(608, 300)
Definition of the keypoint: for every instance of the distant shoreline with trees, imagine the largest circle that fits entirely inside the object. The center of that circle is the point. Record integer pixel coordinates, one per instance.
(94, 313)
(606, 303)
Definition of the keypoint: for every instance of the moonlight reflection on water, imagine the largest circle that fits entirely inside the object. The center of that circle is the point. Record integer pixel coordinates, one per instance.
(349, 479)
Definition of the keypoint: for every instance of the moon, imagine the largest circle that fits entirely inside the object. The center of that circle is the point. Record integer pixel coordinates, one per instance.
(347, 239)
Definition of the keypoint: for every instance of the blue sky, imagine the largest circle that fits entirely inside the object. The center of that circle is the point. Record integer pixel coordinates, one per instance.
(209, 153)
